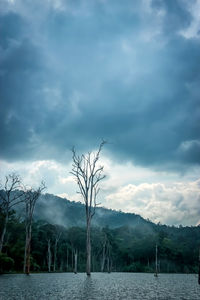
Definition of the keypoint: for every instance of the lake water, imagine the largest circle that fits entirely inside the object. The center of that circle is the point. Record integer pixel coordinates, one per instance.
(99, 286)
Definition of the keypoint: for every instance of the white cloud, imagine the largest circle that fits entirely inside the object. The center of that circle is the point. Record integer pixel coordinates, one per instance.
(175, 203)
(193, 30)
(160, 196)
(188, 145)
(64, 180)
(75, 197)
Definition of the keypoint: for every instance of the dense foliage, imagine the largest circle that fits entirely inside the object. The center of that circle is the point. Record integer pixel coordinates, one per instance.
(129, 249)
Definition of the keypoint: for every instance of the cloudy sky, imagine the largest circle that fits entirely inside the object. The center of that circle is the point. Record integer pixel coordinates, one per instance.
(75, 71)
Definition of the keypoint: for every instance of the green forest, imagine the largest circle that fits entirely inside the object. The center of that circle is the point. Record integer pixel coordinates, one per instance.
(114, 249)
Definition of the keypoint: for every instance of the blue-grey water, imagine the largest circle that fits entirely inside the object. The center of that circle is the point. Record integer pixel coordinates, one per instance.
(101, 286)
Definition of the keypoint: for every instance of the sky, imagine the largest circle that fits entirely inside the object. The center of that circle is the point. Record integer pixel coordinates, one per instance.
(74, 72)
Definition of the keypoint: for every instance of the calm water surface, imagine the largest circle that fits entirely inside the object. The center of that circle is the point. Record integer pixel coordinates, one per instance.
(99, 286)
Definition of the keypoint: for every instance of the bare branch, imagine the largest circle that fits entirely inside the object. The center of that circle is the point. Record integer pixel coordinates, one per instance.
(10, 196)
(88, 175)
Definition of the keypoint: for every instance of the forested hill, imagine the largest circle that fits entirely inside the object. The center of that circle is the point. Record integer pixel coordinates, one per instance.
(67, 213)
(130, 240)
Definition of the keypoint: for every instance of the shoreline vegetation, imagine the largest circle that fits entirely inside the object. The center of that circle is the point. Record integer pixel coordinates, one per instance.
(119, 249)
(83, 272)
(38, 245)
(124, 243)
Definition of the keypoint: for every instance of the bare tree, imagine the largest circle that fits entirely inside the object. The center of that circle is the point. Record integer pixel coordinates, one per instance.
(10, 195)
(88, 174)
(31, 197)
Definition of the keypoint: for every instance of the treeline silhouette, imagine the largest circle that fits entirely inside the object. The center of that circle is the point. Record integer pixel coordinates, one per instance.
(123, 249)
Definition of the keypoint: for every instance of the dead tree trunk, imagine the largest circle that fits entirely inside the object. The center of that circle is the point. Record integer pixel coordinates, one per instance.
(31, 196)
(88, 175)
(55, 255)
(72, 259)
(108, 264)
(9, 197)
(93, 264)
(156, 262)
(75, 260)
(67, 259)
(3, 232)
(61, 265)
(88, 249)
(57, 238)
(103, 256)
(27, 251)
(108, 258)
(49, 257)
(111, 262)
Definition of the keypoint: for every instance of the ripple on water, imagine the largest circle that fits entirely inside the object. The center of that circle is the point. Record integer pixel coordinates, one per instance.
(100, 286)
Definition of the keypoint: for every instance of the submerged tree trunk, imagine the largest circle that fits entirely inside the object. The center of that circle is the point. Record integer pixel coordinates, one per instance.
(93, 263)
(28, 258)
(108, 258)
(111, 262)
(156, 262)
(75, 260)
(108, 264)
(72, 259)
(103, 256)
(55, 254)
(49, 255)
(3, 232)
(61, 265)
(67, 259)
(27, 251)
(55, 258)
(25, 254)
(88, 249)
(57, 238)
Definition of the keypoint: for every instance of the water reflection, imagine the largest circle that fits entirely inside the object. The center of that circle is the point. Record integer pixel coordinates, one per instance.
(87, 290)
(99, 286)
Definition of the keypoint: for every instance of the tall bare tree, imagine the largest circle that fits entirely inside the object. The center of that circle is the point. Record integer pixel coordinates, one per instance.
(31, 197)
(10, 195)
(88, 174)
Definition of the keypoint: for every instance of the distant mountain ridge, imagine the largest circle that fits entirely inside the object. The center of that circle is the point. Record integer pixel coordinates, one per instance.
(61, 211)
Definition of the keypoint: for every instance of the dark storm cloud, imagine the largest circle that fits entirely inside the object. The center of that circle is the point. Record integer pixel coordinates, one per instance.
(20, 77)
(81, 71)
(176, 17)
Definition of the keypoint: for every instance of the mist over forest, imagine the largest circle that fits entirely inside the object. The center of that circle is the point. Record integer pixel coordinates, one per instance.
(126, 241)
